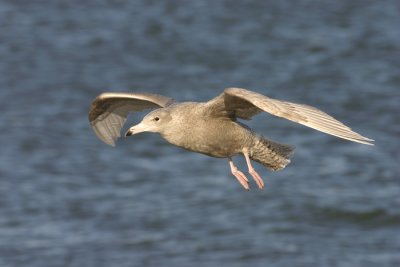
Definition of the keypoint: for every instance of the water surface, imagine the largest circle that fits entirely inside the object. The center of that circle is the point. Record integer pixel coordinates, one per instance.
(66, 199)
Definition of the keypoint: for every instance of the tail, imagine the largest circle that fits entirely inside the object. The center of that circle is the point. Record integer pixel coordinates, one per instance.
(273, 155)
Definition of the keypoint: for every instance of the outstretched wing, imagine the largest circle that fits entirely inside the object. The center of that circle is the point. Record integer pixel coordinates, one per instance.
(109, 111)
(244, 104)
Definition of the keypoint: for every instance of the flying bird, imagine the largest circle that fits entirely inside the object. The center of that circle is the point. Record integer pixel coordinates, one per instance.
(212, 128)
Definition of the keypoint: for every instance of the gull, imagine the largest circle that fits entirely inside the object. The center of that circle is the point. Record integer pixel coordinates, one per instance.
(212, 128)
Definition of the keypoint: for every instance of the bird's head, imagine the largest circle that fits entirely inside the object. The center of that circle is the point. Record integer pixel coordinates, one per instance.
(156, 122)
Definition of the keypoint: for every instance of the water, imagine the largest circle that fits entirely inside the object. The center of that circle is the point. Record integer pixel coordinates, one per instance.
(66, 199)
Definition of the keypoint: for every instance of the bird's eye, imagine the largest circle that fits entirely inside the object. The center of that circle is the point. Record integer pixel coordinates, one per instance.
(156, 118)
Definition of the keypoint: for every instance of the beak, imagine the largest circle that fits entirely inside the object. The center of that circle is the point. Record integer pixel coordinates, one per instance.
(128, 133)
(139, 128)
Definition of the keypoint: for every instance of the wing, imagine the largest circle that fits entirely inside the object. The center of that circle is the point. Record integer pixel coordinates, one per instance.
(245, 104)
(224, 106)
(109, 111)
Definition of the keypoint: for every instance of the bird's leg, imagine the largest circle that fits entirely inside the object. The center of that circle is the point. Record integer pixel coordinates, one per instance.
(239, 175)
(252, 171)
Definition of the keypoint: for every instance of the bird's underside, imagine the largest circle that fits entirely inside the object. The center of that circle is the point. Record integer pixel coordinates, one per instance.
(109, 112)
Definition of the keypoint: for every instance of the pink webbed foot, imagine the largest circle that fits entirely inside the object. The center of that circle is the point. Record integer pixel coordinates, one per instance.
(253, 173)
(239, 175)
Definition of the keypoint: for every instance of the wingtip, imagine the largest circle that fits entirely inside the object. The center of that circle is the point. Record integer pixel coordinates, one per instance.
(113, 144)
(365, 141)
(106, 141)
(370, 143)
(103, 137)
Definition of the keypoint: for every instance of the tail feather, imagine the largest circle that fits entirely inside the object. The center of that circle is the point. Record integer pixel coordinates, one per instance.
(271, 154)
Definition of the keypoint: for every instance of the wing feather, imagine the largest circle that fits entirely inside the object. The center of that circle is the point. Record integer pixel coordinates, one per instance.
(237, 98)
(109, 111)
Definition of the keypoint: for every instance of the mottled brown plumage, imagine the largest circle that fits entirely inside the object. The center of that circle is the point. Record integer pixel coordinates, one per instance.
(211, 128)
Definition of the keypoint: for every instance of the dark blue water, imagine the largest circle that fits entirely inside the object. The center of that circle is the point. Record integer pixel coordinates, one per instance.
(66, 199)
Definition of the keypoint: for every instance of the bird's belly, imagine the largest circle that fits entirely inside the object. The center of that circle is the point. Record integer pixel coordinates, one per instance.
(215, 138)
(213, 150)
(220, 146)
